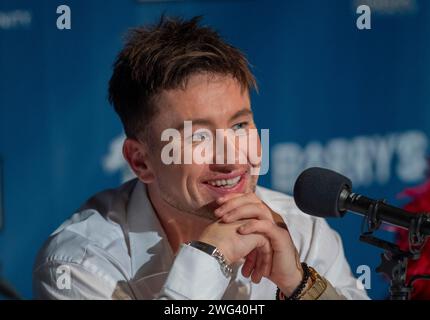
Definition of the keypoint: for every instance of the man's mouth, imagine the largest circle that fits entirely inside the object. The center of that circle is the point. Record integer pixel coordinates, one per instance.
(225, 183)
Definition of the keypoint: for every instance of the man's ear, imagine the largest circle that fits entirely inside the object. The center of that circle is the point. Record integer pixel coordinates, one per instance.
(136, 155)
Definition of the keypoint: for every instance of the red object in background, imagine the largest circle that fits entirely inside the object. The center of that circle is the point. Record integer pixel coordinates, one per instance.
(420, 203)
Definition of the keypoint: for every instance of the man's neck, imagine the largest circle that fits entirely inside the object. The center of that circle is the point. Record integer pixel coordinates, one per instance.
(179, 226)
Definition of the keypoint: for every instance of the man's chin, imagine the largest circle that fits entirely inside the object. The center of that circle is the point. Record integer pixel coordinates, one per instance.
(207, 211)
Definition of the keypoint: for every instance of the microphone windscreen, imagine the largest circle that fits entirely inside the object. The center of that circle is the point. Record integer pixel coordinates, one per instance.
(317, 191)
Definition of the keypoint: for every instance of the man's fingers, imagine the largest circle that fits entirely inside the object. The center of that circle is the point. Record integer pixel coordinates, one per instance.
(248, 211)
(266, 228)
(257, 273)
(249, 264)
(268, 258)
(234, 202)
(264, 260)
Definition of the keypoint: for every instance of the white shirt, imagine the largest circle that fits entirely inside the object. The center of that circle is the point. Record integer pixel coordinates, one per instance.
(116, 248)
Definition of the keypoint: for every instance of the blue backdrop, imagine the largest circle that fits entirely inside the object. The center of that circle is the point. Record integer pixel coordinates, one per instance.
(331, 95)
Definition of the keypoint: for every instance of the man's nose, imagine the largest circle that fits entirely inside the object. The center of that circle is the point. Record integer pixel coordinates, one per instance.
(230, 149)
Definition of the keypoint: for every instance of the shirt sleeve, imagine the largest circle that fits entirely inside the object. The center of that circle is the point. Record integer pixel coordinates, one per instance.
(57, 280)
(195, 275)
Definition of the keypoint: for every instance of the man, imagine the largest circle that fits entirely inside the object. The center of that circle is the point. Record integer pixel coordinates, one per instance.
(189, 230)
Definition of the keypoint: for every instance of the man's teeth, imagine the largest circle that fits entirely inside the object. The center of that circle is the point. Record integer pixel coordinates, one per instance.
(225, 182)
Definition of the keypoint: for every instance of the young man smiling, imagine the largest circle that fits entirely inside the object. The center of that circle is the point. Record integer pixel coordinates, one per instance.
(196, 230)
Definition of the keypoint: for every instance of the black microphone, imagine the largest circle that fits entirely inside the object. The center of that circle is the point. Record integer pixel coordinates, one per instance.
(326, 193)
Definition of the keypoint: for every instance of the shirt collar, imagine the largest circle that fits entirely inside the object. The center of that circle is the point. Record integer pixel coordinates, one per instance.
(150, 250)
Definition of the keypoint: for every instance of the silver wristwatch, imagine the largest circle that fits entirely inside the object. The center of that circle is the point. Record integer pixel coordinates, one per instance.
(214, 252)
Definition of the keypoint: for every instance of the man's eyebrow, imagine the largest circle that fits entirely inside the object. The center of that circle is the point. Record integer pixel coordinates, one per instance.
(240, 113)
(206, 122)
(202, 122)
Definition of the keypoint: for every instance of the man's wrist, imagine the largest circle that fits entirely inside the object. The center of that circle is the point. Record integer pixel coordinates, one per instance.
(219, 246)
(215, 253)
(312, 287)
(286, 293)
(292, 282)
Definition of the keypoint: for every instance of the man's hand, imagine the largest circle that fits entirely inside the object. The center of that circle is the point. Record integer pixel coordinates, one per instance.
(235, 246)
(285, 269)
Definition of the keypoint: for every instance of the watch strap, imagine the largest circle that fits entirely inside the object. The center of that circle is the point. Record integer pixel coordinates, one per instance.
(213, 251)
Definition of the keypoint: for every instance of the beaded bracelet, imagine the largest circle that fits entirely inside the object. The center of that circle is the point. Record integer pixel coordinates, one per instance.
(298, 291)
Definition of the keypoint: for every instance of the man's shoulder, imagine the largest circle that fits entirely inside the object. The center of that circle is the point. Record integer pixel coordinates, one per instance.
(301, 224)
(96, 226)
(280, 202)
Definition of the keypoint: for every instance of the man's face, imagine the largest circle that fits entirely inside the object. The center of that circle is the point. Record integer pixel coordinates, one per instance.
(210, 102)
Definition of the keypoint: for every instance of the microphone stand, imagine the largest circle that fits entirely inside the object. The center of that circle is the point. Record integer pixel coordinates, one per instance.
(394, 261)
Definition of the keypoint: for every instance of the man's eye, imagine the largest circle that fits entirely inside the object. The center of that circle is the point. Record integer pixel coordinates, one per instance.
(241, 125)
(201, 136)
